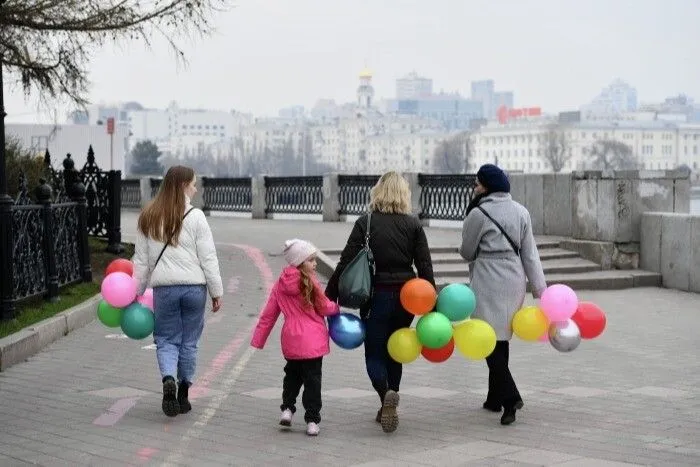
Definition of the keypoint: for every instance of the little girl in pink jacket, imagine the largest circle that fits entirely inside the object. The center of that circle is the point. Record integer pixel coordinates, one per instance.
(298, 296)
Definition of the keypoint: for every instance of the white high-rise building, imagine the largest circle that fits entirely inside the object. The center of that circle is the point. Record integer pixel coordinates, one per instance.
(614, 100)
(413, 86)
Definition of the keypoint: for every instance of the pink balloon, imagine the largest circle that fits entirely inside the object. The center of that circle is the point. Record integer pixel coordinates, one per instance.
(119, 289)
(146, 299)
(559, 302)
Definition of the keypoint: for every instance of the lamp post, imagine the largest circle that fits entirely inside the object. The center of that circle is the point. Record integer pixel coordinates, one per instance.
(7, 304)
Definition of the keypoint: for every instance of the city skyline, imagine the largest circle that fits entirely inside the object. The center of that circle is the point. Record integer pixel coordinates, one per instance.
(269, 54)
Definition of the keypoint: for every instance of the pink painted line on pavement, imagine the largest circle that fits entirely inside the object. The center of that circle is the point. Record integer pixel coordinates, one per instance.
(146, 453)
(116, 411)
(219, 362)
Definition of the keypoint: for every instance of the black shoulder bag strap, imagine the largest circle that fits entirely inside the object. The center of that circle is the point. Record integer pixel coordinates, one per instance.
(370, 256)
(510, 240)
(169, 240)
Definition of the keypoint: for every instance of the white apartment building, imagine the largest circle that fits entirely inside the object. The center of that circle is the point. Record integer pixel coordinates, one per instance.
(174, 129)
(272, 134)
(405, 152)
(520, 145)
(413, 86)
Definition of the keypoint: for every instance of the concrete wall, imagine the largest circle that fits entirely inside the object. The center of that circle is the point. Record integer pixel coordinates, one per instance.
(548, 198)
(670, 245)
(607, 206)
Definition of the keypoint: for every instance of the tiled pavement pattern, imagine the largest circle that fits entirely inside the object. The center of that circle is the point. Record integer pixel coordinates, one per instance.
(627, 398)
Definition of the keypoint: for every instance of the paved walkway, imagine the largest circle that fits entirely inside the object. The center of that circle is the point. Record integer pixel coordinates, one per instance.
(92, 398)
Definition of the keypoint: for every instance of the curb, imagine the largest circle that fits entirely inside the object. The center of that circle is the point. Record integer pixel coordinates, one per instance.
(18, 347)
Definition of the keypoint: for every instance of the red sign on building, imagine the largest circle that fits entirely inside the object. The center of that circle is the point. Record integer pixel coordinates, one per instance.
(504, 113)
(110, 126)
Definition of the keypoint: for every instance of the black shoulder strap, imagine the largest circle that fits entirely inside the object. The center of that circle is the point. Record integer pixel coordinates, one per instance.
(510, 240)
(369, 219)
(169, 240)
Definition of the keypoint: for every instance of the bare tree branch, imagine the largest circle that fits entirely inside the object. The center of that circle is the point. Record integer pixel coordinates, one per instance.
(47, 44)
(610, 154)
(453, 155)
(557, 148)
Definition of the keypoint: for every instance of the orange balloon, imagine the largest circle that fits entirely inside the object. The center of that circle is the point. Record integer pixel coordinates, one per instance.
(418, 296)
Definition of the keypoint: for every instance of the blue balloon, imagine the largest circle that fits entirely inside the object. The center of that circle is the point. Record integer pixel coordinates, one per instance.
(346, 330)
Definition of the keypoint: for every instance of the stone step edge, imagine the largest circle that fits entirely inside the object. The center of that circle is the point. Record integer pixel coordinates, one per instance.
(548, 269)
(456, 259)
(594, 281)
(541, 245)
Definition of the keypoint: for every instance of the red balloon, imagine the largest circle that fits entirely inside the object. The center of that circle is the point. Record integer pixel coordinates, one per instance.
(439, 355)
(120, 265)
(590, 320)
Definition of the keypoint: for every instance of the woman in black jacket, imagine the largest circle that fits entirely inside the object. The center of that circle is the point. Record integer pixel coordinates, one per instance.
(397, 241)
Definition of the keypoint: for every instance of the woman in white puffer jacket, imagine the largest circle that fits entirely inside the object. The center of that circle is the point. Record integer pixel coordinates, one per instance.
(175, 253)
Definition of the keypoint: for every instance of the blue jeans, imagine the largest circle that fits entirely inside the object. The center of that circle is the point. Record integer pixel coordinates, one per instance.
(179, 313)
(386, 315)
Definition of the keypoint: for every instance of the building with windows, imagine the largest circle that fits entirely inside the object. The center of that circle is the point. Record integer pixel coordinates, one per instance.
(413, 86)
(614, 100)
(521, 144)
(453, 111)
(175, 129)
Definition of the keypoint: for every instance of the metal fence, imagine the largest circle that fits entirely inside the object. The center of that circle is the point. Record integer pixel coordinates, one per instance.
(50, 225)
(443, 197)
(131, 193)
(227, 194)
(50, 237)
(294, 195)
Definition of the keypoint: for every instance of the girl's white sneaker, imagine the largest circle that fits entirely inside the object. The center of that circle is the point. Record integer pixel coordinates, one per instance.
(312, 429)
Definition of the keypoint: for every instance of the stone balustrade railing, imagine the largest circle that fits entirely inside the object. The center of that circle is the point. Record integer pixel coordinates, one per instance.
(599, 212)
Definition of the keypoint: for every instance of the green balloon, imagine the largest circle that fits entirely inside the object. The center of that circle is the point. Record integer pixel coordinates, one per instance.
(109, 315)
(456, 301)
(434, 330)
(137, 321)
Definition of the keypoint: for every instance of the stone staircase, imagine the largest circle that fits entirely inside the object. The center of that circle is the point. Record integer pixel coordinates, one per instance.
(560, 266)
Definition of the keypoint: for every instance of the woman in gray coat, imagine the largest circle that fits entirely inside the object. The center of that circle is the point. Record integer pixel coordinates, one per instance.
(498, 244)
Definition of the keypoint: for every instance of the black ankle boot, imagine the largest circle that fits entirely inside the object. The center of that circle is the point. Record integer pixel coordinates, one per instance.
(170, 405)
(182, 397)
(508, 416)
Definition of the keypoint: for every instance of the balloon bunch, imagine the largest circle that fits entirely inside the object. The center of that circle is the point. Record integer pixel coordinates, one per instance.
(560, 319)
(438, 332)
(120, 306)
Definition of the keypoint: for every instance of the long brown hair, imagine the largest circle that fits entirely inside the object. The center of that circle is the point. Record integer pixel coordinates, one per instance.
(163, 216)
(307, 287)
(310, 293)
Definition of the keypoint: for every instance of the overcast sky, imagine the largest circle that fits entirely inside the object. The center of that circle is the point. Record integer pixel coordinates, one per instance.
(268, 54)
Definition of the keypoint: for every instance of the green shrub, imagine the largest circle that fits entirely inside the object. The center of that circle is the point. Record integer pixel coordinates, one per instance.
(22, 160)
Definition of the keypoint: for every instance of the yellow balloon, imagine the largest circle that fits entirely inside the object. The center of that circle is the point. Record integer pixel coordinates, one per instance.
(404, 346)
(475, 339)
(530, 323)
